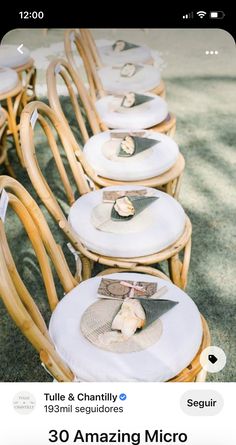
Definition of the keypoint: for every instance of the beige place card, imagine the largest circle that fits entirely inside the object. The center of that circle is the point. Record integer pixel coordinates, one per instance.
(122, 135)
(121, 289)
(112, 195)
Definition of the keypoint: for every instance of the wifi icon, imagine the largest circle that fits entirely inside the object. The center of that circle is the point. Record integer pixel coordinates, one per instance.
(201, 14)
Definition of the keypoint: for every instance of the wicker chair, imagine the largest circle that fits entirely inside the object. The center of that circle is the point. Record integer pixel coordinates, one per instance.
(20, 303)
(12, 97)
(140, 58)
(168, 126)
(23, 64)
(169, 181)
(49, 121)
(14, 293)
(95, 60)
(3, 143)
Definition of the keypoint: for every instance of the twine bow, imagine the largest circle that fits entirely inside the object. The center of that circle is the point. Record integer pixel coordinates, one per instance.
(133, 287)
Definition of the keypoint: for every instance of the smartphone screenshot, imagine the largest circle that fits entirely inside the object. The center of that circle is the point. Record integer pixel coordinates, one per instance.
(117, 227)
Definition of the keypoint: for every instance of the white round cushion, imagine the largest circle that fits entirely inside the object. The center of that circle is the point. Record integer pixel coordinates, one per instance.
(142, 54)
(167, 225)
(146, 79)
(152, 162)
(11, 57)
(176, 348)
(8, 79)
(142, 116)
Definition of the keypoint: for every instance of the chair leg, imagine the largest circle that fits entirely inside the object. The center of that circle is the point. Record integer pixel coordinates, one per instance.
(175, 267)
(173, 187)
(186, 262)
(177, 187)
(56, 367)
(14, 130)
(30, 82)
(3, 151)
(172, 131)
(9, 167)
(179, 270)
(169, 187)
(86, 268)
(201, 376)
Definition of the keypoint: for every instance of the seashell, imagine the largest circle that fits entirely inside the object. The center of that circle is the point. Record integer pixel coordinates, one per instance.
(122, 45)
(133, 99)
(130, 317)
(132, 145)
(128, 100)
(128, 70)
(124, 207)
(128, 145)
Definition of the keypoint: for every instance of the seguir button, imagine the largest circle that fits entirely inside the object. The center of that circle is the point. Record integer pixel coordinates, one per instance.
(201, 402)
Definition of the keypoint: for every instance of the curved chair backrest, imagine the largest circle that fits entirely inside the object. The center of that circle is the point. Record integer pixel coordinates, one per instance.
(49, 121)
(54, 130)
(56, 134)
(84, 51)
(90, 42)
(3, 144)
(60, 69)
(83, 42)
(14, 293)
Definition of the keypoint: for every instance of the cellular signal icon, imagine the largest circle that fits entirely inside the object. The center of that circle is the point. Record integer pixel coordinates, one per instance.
(188, 16)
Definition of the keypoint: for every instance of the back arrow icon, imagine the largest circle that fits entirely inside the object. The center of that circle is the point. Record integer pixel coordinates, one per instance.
(19, 49)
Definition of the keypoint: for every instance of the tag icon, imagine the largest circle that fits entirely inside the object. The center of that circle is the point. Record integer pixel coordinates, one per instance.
(212, 358)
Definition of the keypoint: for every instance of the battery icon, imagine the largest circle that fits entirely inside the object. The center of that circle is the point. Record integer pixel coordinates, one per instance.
(217, 14)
